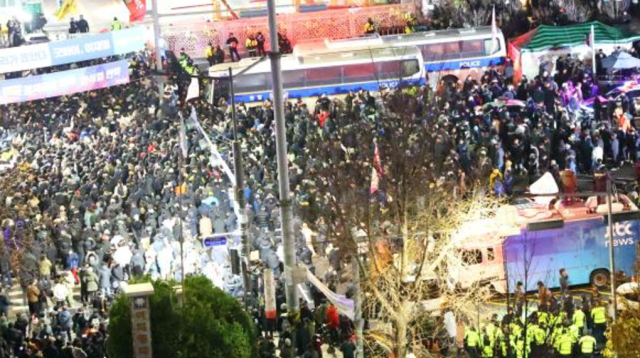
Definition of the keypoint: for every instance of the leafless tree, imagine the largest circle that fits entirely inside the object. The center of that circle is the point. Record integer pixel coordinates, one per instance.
(403, 231)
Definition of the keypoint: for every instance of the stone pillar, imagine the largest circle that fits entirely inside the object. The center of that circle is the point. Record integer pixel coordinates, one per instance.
(140, 319)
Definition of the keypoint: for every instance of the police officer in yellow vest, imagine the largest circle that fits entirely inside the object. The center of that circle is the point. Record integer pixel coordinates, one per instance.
(487, 346)
(587, 346)
(565, 345)
(543, 318)
(208, 53)
(370, 27)
(190, 68)
(538, 337)
(579, 318)
(116, 25)
(412, 22)
(517, 344)
(251, 44)
(472, 342)
(599, 317)
(503, 342)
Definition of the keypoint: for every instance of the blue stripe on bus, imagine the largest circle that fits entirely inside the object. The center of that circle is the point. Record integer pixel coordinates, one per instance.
(328, 90)
(457, 65)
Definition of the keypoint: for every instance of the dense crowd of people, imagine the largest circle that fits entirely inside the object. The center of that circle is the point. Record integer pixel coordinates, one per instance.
(101, 193)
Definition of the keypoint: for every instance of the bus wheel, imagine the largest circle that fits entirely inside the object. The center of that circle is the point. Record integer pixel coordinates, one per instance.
(600, 278)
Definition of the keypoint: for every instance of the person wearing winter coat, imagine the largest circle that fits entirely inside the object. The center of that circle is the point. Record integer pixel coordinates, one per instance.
(91, 282)
(137, 263)
(117, 275)
(45, 267)
(73, 261)
(60, 293)
(104, 275)
(335, 260)
(4, 303)
(5, 269)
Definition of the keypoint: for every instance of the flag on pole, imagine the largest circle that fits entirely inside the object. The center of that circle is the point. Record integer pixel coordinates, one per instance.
(67, 7)
(137, 9)
(194, 89)
(376, 169)
(494, 31)
(592, 44)
(375, 181)
(184, 144)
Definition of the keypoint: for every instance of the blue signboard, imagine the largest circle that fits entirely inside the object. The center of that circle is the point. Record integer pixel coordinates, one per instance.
(214, 241)
(81, 49)
(64, 82)
(74, 50)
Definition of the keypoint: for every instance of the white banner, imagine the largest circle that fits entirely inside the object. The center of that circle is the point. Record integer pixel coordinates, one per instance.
(345, 305)
(270, 308)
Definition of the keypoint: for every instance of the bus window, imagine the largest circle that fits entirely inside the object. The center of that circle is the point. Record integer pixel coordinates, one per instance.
(471, 257)
(433, 52)
(451, 50)
(410, 68)
(488, 46)
(293, 79)
(322, 76)
(250, 83)
(491, 255)
(389, 70)
(359, 73)
(472, 48)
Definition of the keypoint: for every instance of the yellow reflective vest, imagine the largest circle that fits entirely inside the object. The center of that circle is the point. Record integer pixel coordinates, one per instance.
(587, 344)
(251, 43)
(472, 338)
(599, 315)
(369, 27)
(579, 318)
(566, 344)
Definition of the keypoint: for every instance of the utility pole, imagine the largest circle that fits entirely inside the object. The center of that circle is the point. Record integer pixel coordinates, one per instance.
(239, 186)
(286, 209)
(612, 264)
(156, 38)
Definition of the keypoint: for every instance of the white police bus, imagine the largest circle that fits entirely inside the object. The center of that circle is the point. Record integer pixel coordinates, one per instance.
(331, 73)
(447, 54)
(369, 62)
